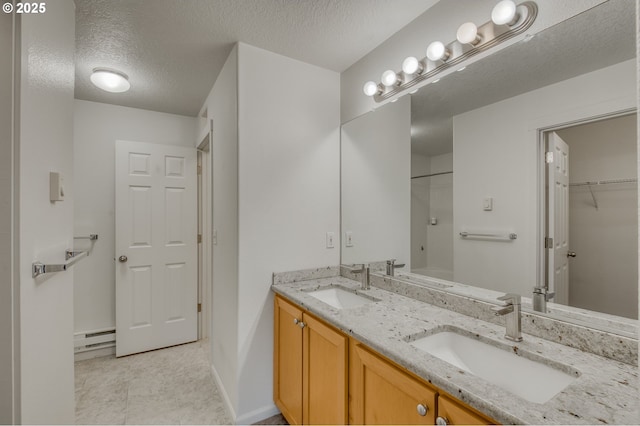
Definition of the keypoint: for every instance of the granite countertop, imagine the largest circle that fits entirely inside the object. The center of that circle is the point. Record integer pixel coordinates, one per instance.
(605, 392)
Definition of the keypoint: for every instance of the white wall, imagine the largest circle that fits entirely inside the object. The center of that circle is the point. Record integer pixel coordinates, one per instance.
(6, 222)
(96, 128)
(376, 185)
(222, 107)
(46, 229)
(440, 236)
(289, 198)
(495, 155)
(420, 196)
(440, 22)
(605, 239)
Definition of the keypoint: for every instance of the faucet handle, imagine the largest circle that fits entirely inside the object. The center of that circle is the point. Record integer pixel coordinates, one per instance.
(361, 268)
(511, 298)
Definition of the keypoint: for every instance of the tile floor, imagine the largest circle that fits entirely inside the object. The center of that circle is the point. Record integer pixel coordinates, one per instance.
(167, 386)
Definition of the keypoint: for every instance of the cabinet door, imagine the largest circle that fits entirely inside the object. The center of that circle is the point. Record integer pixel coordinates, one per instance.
(287, 360)
(381, 393)
(455, 413)
(325, 353)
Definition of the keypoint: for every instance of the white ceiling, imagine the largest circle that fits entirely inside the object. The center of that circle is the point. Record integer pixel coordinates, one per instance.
(597, 38)
(172, 50)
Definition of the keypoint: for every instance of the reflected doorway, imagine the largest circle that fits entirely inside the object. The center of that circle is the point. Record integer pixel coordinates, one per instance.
(591, 196)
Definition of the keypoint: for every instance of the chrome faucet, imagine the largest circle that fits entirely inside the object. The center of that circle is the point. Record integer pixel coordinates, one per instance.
(391, 267)
(541, 296)
(513, 315)
(364, 279)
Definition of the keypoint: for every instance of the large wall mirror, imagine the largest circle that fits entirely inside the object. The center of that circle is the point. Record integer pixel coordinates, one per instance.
(455, 181)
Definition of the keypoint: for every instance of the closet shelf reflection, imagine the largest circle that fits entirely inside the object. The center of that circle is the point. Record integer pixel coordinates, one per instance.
(604, 182)
(591, 184)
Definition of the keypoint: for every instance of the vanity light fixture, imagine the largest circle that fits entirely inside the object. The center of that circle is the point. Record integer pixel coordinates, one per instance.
(371, 88)
(505, 13)
(468, 34)
(390, 78)
(412, 65)
(110, 80)
(507, 21)
(437, 51)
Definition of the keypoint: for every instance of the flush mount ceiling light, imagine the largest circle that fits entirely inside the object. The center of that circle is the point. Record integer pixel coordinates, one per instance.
(507, 21)
(110, 80)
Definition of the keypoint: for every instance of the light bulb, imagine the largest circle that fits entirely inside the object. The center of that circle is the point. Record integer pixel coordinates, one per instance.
(468, 33)
(389, 78)
(412, 65)
(370, 88)
(110, 80)
(504, 13)
(437, 52)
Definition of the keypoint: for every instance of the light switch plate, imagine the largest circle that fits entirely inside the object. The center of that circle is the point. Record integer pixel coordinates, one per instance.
(56, 187)
(348, 239)
(488, 204)
(331, 236)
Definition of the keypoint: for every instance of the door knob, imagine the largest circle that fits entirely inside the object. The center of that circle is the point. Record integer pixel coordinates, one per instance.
(442, 421)
(123, 258)
(571, 254)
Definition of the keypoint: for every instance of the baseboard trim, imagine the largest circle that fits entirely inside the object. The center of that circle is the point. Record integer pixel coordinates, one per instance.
(227, 402)
(96, 353)
(257, 415)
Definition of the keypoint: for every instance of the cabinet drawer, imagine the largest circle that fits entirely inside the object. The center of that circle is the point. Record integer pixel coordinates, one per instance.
(381, 393)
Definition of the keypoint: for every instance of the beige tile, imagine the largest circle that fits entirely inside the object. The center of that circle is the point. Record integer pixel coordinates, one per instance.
(168, 386)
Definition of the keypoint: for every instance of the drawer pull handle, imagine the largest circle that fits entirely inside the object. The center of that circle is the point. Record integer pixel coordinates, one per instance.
(296, 321)
(442, 421)
(422, 409)
(301, 324)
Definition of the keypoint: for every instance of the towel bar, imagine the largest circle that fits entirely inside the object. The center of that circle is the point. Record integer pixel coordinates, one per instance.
(71, 257)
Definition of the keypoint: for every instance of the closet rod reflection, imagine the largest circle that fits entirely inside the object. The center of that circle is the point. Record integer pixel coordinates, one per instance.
(432, 174)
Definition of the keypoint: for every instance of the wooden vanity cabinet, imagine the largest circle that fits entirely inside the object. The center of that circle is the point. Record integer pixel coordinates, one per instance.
(382, 393)
(320, 376)
(454, 412)
(309, 367)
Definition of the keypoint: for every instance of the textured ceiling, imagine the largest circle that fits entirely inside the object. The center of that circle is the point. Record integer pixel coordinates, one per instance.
(172, 50)
(597, 38)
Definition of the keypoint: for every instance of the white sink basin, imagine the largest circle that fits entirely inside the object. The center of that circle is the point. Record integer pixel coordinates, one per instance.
(341, 298)
(528, 379)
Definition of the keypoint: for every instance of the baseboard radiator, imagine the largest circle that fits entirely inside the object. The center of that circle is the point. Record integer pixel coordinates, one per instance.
(94, 340)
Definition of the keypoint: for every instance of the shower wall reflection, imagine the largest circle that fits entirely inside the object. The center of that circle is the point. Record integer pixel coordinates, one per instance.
(432, 215)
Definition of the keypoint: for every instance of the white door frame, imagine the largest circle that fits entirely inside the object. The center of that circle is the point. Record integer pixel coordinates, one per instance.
(582, 116)
(205, 260)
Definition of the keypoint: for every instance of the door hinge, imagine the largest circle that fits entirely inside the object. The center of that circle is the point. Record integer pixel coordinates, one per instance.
(548, 242)
(548, 157)
(199, 307)
(199, 238)
(199, 170)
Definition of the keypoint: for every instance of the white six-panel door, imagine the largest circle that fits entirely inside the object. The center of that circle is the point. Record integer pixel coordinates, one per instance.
(156, 246)
(559, 219)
